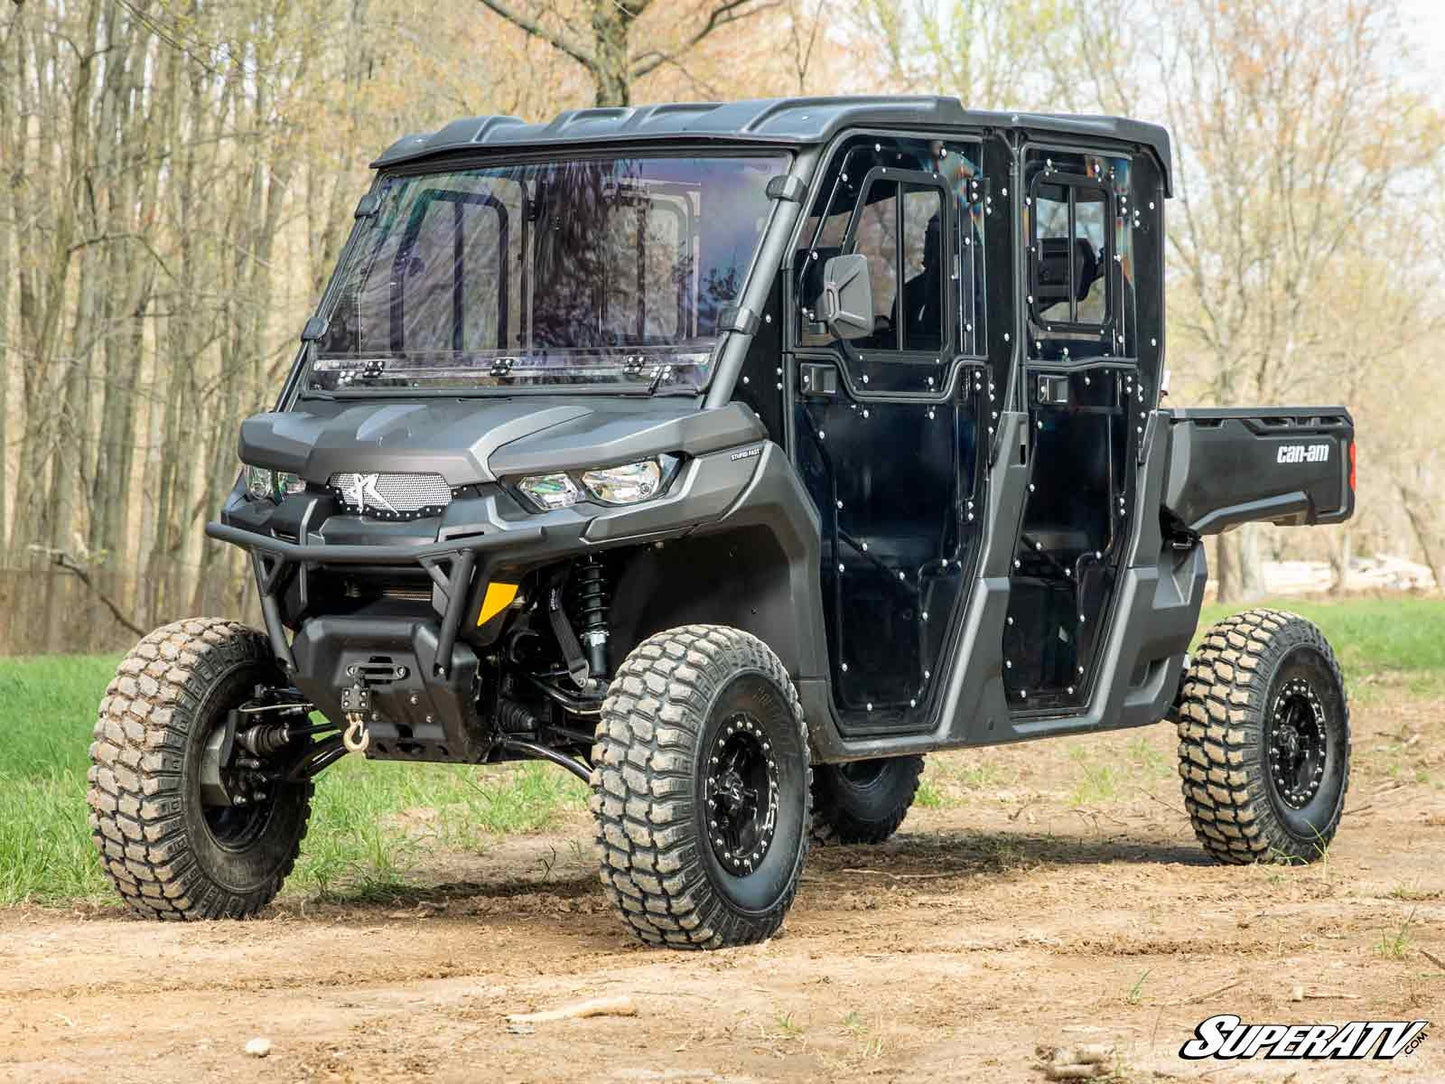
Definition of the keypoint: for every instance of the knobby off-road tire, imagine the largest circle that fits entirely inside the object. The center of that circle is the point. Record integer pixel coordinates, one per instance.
(167, 854)
(685, 857)
(863, 802)
(1264, 740)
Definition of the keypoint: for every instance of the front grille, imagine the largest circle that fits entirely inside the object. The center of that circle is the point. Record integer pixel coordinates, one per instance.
(391, 494)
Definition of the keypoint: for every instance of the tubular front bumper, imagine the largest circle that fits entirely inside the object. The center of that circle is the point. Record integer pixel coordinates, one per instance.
(449, 563)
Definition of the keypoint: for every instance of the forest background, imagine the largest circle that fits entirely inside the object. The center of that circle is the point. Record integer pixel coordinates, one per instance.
(178, 176)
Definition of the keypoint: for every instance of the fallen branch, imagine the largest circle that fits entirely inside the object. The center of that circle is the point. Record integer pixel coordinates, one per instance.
(602, 1006)
(1195, 999)
(1161, 801)
(1433, 958)
(61, 559)
(908, 876)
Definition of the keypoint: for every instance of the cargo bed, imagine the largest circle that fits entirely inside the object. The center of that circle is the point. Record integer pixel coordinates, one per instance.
(1284, 465)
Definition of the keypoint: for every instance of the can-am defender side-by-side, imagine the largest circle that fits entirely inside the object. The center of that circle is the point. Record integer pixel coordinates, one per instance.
(733, 457)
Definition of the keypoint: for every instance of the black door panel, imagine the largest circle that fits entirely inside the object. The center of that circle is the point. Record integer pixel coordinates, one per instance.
(1071, 544)
(895, 485)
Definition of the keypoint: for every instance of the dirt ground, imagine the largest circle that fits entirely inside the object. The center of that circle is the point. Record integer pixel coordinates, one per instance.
(1052, 894)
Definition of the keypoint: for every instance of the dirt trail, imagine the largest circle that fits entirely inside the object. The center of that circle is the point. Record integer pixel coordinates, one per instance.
(1013, 916)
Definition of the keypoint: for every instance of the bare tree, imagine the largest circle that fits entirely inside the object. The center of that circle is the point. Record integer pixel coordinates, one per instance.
(1294, 147)
(606, 52)
(990, 55)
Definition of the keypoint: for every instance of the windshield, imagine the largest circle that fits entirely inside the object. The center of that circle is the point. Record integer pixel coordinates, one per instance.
(608, 271)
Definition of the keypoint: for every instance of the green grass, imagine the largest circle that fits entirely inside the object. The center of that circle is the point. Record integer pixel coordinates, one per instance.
(372, 823)
(1395, 944)
(1378, 640)
(1098, 781)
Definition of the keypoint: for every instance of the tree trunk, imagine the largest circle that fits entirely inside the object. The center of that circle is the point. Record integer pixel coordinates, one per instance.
(1412, 501)
(1226, 567)
(612, 68)
(1251, 564)
(1341, 547)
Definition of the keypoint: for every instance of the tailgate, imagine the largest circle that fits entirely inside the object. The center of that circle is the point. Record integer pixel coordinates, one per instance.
(1286, 465)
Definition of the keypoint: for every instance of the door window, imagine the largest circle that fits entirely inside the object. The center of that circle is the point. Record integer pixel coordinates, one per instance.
(900, 229)
(1070, 255)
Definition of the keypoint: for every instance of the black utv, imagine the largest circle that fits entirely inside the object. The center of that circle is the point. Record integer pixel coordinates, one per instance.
(733, 457)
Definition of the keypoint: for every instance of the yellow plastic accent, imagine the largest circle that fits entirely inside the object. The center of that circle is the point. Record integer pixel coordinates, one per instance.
(498, 597)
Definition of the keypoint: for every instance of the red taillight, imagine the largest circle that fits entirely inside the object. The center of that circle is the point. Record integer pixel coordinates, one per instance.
(1352, 466)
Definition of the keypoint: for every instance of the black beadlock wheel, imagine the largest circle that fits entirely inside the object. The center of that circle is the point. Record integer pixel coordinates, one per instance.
(169, 853)
(1264, 739)
(864, 801)
(701, 789)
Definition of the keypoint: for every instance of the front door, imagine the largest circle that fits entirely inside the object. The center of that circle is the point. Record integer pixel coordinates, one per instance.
(886, 427)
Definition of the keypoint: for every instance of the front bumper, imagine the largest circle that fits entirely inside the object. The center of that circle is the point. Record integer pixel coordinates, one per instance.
(449, 563)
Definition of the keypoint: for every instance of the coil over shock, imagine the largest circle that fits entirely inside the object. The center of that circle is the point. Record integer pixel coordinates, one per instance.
(591, 601)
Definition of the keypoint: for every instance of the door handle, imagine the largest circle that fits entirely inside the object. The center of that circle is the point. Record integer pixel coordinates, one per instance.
(1053, 389)
(815, 378)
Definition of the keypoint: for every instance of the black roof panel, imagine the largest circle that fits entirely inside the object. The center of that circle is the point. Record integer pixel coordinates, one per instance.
(767, 120)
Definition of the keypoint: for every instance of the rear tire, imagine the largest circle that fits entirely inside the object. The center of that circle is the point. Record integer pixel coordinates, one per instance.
(863, 802)
(1264, 740)
(701, 789)
(168, 855)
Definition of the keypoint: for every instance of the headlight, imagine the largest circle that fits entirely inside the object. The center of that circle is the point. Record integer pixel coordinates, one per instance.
(550, 492)
(630, 483)
(272, 484)
(627, 484)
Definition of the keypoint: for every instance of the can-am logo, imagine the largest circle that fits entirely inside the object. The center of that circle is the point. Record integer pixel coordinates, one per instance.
(1303, 453)
(1226, 1036)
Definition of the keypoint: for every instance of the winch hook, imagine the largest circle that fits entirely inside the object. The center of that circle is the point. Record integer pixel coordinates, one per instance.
(357, 738)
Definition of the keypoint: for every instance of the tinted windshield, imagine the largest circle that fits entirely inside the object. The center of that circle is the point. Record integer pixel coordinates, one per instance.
(596, 271)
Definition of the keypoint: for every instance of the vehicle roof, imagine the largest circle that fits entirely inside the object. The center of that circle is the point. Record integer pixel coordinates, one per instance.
(787, 121)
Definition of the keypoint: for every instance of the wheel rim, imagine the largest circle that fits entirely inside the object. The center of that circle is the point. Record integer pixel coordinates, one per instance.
(742, 794)
(1298, 744)
(863, 773)
(232, 827)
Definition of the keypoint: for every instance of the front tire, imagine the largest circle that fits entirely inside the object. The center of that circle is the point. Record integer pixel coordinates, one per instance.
(168, 853)
(863, 802)
(701, 789)
(1264, 740)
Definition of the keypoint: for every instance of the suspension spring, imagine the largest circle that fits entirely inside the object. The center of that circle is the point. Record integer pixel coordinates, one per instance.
(591, 602)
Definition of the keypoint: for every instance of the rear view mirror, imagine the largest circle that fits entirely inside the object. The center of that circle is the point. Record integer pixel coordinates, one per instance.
(847, 302)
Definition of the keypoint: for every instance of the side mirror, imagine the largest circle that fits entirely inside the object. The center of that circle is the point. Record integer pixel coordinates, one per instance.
(847, 301)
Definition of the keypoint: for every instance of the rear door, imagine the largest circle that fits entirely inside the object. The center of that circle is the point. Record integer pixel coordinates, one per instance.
(1086, 408)
(885, 429)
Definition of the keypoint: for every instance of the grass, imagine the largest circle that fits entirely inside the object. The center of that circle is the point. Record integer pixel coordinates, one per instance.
(1378, 640)
(372, 823)
(1395, 945)
(1099, 780)
(1135, 993)
(1413, 893)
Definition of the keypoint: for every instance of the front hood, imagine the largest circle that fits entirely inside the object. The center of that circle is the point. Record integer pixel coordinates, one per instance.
(468, 441)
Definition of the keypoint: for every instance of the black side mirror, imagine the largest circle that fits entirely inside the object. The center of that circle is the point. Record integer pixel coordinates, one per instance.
(847, 301)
